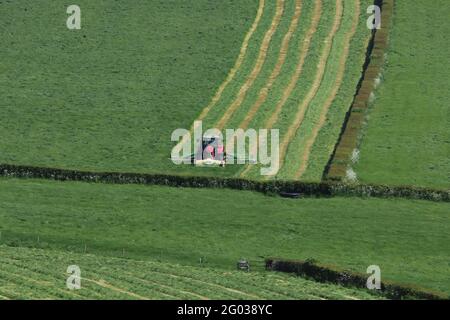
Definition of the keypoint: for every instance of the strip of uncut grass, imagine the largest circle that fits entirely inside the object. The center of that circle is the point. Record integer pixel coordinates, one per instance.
(327, 137)
(286, 53)
(408, 239)
(277, 112)
(312, 112)
(317, 84)
(305, 154)
(146, 279)
(253, 51)
(259, 63)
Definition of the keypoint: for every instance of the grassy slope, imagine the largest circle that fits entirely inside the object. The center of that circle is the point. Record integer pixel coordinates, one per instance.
(407, 139)
(409, 240)
(108, 96)
(116, 278)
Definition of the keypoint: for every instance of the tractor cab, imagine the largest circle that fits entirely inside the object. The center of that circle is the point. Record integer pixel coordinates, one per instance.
(211, 152)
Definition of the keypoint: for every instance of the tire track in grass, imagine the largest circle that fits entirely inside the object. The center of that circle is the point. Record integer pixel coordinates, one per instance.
(260, 60)
(231, 290)
(338, 83)
(299, 116)
(102, 283)
(153, 283)
(264, 92)
(198, 296)
(298, 71)
(233, 71)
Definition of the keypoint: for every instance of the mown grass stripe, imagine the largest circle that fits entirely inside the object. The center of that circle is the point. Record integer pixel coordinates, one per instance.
(256, 69)
(264, 92)
(296, 76)
(102, 283)
(215, 285)
(338, 83)
(293, 128)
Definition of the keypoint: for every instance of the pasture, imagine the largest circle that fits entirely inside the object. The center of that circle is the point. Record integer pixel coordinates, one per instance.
(108, 96)
(407, 137)
(409, 240)
(41, 274)
(111, 93)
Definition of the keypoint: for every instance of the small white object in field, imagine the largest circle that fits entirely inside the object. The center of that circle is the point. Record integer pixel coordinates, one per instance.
(351, 176)
(355, 156)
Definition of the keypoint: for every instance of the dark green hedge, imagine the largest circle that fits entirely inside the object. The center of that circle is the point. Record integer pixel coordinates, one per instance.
(331, 274)
(353, 124)
(319, 189)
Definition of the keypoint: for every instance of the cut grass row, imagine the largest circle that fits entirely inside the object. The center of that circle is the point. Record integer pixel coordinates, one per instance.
(41, 274)
(303, 114)
(409, 240)
(275, 62)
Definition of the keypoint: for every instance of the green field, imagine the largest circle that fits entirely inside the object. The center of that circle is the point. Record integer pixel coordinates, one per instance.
(407, 140)
(41, 274)
(409, 240)
(111, 93)
(108, 96)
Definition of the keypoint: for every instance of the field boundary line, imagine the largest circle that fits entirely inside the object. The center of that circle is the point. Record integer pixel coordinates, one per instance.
(260, 61)
(293, 128)
(298, 71)
(316, 189)
(264, 92)
(338, 84)
(233, 71)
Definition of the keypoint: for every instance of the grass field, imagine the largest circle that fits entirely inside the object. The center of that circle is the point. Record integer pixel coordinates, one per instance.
(41, 274)
(113, 92)
(409, 240)
(407, 139)
(108, 96)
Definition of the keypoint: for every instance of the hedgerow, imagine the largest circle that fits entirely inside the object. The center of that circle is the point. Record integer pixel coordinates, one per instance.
(311, 269)
(318, 189)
